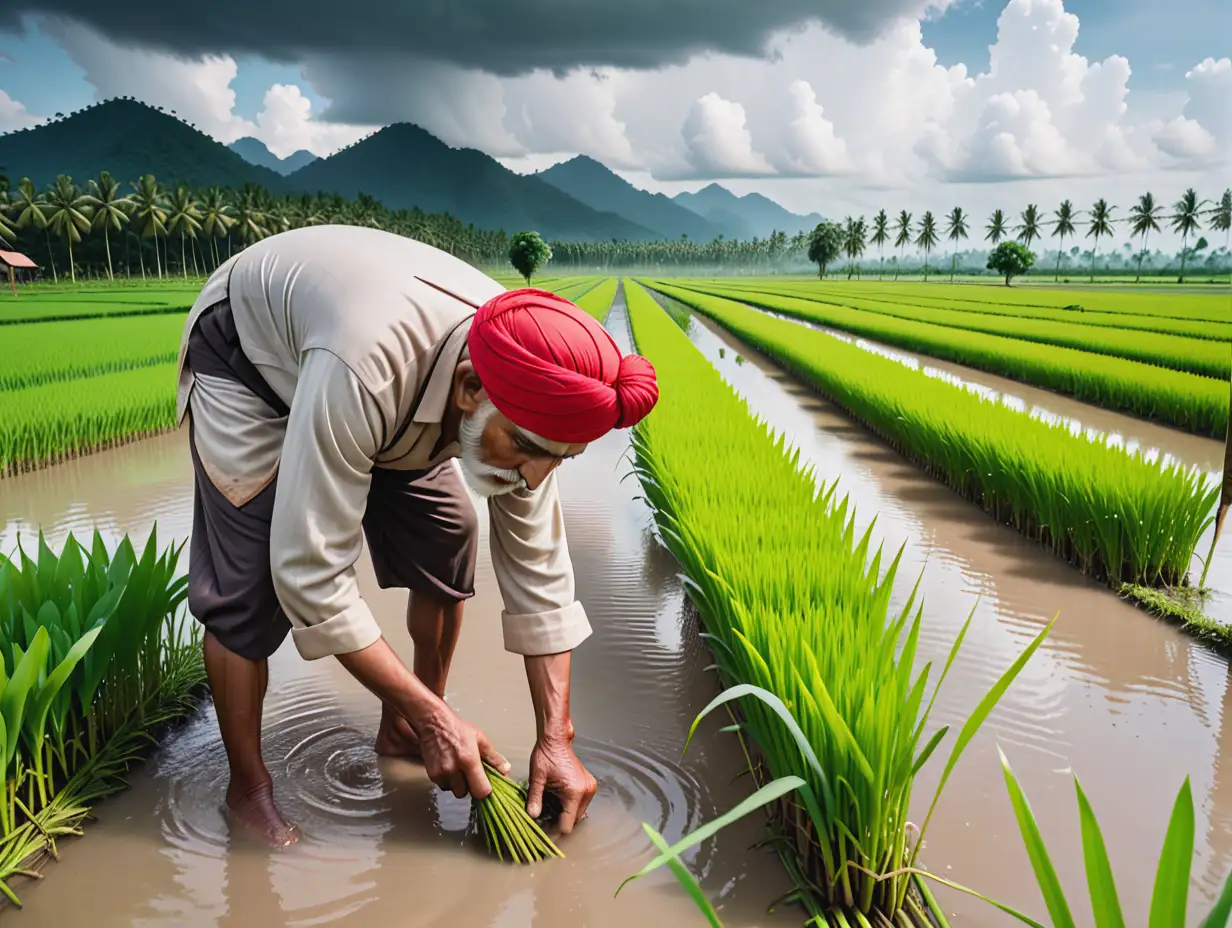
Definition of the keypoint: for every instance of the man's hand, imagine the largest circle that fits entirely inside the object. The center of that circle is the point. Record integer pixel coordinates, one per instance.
(554, 766)
(453, 751)
(453, 754)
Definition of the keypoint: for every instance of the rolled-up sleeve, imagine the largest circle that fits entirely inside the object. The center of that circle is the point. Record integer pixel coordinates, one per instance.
(530, 558)
(317, 528)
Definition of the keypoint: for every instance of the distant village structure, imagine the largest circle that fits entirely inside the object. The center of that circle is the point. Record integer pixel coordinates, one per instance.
(19, 268)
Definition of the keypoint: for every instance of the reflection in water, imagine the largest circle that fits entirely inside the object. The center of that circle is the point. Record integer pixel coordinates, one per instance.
(1127, 703)
(381, 844)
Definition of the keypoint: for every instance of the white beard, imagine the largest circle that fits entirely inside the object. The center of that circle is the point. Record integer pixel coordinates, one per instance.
(477, 474)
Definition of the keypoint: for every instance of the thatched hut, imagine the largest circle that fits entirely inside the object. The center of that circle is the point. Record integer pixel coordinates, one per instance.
(19, 267)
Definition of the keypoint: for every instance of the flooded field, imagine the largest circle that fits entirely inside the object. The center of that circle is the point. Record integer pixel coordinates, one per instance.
(1128, 703)
(383, 846)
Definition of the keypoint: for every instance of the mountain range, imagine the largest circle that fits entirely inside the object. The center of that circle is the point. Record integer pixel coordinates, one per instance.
(401, 166)
(254, 152)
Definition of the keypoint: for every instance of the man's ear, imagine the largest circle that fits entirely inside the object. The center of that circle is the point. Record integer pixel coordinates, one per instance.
(468, 392)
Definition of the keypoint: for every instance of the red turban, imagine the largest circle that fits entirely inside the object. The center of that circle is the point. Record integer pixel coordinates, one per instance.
(552, 369)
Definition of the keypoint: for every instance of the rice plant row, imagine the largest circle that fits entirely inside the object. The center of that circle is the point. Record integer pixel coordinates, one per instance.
(95, 657)
(45, 424)
(1184, 401)
(1078, 312)
(33, 355)
(1111, 514)
(598, 300)
(1211, 307)
(1204, 357)
(803, 642)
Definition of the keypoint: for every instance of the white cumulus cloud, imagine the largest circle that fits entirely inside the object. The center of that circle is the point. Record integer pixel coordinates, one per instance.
(810, 145)
(717, 142)
(14, 115)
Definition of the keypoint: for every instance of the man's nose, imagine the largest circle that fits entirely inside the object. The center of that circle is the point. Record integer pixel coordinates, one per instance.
(536, 471)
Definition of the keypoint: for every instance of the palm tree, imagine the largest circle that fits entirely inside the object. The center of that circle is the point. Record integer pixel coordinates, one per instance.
(1143, 220)
(1100, 225)
(853, 242)
(216, 219)
(68, 215)
(997, 228)
(109, 210)
(183, 216)
(1062, 226)
(881, 235)
(1185, 220)
(956, 228)
(31, 208)
(1029, 229)
(149, 216)
(902, 238)
(927, 239)
(249, 220)
(1221, 218)
(8, 227)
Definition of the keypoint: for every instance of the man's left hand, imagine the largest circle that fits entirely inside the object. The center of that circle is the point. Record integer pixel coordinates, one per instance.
(554, 766)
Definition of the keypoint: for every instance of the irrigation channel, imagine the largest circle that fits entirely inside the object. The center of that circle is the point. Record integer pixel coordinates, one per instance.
(383, 846)
(1127, 702)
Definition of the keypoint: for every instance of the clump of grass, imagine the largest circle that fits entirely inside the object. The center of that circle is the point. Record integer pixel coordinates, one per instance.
(507, 829)
(1181, 606)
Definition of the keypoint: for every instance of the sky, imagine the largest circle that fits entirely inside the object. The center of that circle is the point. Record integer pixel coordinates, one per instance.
(835, 106)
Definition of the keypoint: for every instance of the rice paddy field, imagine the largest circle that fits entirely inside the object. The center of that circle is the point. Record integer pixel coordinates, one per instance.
(919, 560)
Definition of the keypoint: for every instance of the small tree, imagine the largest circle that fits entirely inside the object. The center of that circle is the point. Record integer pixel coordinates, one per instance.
(528, 253)
(1011, 259)
(825, 245)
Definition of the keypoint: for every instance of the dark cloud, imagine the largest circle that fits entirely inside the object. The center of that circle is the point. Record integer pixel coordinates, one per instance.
(505, 38)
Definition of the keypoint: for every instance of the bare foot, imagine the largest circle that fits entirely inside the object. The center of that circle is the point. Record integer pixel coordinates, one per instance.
(396, 738)
(256, 812)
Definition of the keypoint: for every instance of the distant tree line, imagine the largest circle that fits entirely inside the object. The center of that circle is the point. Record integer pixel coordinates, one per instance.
(1189, 215)
(103, 229)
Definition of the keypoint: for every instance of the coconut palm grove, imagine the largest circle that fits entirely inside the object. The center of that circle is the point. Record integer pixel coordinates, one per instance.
(911, 596)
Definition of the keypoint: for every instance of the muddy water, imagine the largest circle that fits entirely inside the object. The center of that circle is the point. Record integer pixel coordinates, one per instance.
(1127, 703)
(383, 846)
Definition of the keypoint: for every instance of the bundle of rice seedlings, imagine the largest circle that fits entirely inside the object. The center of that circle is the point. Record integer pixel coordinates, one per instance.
(507, 829)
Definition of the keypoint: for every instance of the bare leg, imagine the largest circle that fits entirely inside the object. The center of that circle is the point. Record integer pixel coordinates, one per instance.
(238, 686)
(434, 625)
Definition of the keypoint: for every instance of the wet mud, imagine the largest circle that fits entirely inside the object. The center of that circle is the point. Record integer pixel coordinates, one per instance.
(382, 845)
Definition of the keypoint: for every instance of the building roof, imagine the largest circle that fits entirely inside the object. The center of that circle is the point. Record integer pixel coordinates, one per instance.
(14, 259)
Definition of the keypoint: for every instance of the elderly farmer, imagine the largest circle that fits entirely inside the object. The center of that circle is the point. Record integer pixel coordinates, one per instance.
(332, 373)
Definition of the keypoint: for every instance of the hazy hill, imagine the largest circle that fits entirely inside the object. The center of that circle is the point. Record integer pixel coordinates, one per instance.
(128, 139)
(404, 166)
(592, 183)
(760, 215)
(254, 152)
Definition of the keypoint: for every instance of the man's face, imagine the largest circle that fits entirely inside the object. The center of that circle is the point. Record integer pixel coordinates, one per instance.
(498, 457)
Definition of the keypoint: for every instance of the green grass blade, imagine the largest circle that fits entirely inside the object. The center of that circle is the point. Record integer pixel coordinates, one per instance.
(1172, 879)
(685, 878)
(1104, 902)
(1045, 873)
(1219, 916)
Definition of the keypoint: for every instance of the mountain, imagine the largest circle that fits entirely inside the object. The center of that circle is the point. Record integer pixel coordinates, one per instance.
(757, 214)
(590, 182)
(128, 139)
(254, 152)
(403, 166)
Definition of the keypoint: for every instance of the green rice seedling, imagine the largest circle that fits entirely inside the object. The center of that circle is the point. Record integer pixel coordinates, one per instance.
(1113, 515)
(95, 654)
(598, 300)
(507, 829)
(33, 355)
(1186, 401)
(796, 610)
(1204, 357)
(1074, 313)
(45, 424)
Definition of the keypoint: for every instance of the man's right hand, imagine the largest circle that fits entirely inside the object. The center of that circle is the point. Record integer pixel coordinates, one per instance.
(453, 753)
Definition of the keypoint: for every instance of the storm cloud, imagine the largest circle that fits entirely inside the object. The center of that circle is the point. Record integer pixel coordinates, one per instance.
(496, 36)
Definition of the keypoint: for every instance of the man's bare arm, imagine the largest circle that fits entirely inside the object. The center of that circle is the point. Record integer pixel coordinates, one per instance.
(553, 764)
